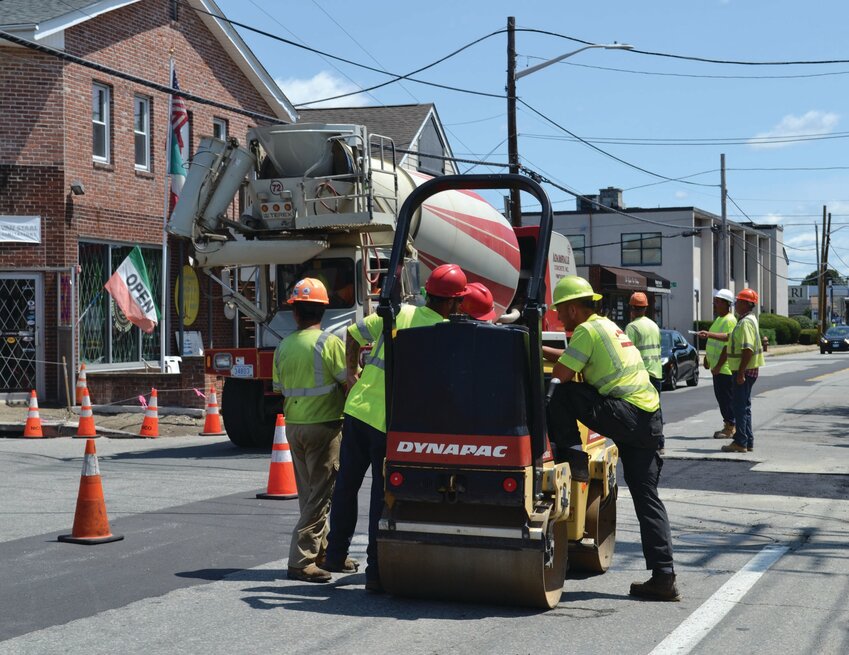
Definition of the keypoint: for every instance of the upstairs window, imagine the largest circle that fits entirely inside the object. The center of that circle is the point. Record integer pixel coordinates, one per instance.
(141, 132)
(100, 122)
(641, 249)
(579, 245)
(219, 128)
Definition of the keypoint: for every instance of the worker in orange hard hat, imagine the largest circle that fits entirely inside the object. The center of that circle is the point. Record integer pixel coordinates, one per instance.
(364, 429)
(478, 303)
(309, 370)
(645, 335)
(744, 354)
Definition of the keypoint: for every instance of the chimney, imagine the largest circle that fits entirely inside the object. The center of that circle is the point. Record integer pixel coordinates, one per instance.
(585, 204)
(611, 197)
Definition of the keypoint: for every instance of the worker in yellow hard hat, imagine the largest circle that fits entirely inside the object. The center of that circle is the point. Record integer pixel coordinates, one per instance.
(645, 335)
(618, 400)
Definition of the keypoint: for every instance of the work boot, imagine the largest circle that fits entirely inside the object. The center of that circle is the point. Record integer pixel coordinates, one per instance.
(727, 432)
(348, 565)
(310, 573)
(661, 586)
(734, 447)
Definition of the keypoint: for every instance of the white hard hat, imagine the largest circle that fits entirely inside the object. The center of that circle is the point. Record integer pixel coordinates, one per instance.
(724, 294)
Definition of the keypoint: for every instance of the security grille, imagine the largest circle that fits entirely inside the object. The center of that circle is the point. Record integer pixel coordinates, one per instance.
(17, 332)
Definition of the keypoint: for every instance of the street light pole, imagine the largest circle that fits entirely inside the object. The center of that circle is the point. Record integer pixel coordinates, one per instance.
(512, 130)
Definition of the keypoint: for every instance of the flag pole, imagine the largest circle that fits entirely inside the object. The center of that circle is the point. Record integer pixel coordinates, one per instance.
(163, 326)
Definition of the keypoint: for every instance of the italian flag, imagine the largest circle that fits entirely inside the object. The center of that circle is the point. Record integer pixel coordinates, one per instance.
(130, 288)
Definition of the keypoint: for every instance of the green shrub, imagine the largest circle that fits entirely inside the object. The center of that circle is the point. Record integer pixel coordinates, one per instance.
(804, 322)
(809, 336)
(786, 329)
(769, 333)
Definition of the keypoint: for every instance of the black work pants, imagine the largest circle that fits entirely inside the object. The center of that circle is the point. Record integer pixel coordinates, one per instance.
(636, 433)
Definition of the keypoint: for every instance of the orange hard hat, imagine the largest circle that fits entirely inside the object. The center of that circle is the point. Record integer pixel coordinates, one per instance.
(749, 295)
(478, 302)
(638, 299)
(447, 281)
(309, 290)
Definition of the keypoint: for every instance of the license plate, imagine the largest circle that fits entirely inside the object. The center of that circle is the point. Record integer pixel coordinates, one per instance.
(242, 371)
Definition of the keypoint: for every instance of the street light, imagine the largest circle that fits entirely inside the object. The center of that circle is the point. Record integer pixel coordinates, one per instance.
(512, 76)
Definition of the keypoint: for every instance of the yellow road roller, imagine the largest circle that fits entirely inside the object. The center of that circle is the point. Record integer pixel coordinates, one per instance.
(476, 509)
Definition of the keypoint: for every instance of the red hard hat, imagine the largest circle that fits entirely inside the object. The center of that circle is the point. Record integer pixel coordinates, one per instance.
(638, 299)
(447, 281)
(309, 290)
(749, 295)
(478, 303)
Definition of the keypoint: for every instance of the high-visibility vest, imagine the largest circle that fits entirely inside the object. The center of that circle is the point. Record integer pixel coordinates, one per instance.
(713, 348)
(645, 335)
(610, 362)
(309, 370)
(745, 336)
(367, 399)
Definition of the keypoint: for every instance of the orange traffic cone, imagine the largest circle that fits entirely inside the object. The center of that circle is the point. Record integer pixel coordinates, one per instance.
(91, 525)
(32, 429)
(82, 385)
(86, 428)
(281, 474)
(150, 424)
(212, 424)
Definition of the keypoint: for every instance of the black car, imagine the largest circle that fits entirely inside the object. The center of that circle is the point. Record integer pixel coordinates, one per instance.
(680, 360)
(835, 338)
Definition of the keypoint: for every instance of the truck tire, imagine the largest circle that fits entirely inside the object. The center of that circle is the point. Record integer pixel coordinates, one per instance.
(248, 417)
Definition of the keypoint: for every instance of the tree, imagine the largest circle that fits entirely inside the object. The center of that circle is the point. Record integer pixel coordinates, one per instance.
(812, 278)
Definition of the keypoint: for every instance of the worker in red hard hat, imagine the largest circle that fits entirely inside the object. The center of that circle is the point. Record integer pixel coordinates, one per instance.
(645, 335)
(744, 354)
(364, 428)
(478, 303)
(309, 370)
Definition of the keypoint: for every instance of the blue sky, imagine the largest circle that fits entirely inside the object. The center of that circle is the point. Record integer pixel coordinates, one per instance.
(660, 114)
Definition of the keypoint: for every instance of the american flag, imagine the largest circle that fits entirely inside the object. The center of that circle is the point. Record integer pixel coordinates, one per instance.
(179, 155)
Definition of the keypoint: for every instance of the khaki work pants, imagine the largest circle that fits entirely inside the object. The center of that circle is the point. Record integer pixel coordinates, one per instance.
(315, 455)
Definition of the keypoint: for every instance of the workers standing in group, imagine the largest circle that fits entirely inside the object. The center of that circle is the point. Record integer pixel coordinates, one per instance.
(645, 335)
(364, 429)
(723, 381)
(618, 400)
(309, 370)
(478, 303)
(744, 354)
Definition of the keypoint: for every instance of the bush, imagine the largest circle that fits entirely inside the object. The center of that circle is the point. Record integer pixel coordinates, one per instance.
(804, 322)
(769, 333)
(786, 329)
(809, 336)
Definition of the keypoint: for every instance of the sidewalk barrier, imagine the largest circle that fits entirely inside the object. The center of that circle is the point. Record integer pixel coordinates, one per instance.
(32, 429)
(82, 385)
(86, 428)
(91, 525)
(150, 424)
(212, 424)
(281, 473)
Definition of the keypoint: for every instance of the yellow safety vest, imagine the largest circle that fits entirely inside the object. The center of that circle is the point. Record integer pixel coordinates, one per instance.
(609, 361)
(745, 336)
(645, 335)
(309, 370)
(713, 349)
(367, 399)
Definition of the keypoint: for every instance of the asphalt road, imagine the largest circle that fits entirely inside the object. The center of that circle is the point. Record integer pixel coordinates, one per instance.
(759, 542)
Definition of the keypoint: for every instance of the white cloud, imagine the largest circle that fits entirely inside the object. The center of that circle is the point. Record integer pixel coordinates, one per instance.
(681, 194)
(321, 85)
(790, 127)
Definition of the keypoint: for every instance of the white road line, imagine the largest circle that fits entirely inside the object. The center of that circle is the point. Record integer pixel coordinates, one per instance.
(697, 626)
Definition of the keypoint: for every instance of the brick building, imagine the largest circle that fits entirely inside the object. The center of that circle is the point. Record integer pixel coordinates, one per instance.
(82, 180)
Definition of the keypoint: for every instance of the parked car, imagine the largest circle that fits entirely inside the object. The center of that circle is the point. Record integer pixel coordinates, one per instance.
(835, 338)
(679, 358)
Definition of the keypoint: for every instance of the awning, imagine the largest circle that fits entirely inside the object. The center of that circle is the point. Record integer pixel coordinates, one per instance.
(656, 283)
(611, 277)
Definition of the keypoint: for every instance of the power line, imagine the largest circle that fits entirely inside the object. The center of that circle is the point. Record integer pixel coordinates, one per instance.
(660, 142)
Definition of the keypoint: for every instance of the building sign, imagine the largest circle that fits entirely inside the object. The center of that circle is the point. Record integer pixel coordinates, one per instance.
(20, 229)
(188, 308)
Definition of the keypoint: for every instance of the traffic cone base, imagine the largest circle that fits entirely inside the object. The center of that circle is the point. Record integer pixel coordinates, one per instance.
(212, 424)
(82, 385)
(150, 424)
(281, 473)
(86, 429)
(91, 525)
(32, 429)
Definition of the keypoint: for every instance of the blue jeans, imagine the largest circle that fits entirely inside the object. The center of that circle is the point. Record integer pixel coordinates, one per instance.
(743, 413)
(723, 389)
(362, 446)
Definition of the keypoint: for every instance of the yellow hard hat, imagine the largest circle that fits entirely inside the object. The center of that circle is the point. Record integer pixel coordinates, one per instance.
(573, 287)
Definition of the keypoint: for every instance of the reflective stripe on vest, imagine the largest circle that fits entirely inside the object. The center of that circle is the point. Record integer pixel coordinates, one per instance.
(756, 348)
(620, 370)
(318, 372)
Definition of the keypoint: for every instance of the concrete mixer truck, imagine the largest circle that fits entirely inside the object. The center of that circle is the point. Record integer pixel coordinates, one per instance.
(321, 200)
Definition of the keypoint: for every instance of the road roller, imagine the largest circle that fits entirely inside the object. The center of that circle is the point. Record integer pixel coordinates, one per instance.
(476, 509)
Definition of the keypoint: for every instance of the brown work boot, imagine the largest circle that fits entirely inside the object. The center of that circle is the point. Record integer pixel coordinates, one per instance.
(310, 573)
(734, 447)
(727, 432)
(661, 586)
(348, 565)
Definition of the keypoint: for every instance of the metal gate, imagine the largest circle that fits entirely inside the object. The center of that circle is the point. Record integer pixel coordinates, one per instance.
(21, 348)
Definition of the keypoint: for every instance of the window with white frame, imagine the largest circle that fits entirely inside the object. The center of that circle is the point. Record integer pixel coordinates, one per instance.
(141, 132)
(579, 244)
(641, 249)
(219, 128)
(100, 122)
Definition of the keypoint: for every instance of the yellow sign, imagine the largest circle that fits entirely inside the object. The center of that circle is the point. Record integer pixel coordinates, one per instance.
(191, 291)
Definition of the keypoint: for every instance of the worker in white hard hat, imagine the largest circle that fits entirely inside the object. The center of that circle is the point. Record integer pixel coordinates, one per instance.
(723, 379)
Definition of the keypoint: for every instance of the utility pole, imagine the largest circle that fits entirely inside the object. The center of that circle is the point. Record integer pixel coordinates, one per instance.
(512, 135)
(822, 269)
(725, 268)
